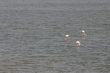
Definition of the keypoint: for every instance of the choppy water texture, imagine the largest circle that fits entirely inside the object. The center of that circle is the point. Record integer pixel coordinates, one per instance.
(32, 36)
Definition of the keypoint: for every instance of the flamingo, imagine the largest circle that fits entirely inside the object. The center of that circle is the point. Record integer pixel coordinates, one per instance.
(67, 37)
(83, 34)
(78, 44)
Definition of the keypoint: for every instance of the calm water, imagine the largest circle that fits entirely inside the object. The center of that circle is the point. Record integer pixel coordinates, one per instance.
(32, 36)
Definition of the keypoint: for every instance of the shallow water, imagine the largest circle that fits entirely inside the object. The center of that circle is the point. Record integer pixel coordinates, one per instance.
(32, 36)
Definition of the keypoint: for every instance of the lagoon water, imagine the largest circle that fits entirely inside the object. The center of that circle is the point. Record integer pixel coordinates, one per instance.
(32, 36)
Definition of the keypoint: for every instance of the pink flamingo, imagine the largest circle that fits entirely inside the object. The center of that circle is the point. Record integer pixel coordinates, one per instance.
(78, 44)
(83, 34)
(67, 37)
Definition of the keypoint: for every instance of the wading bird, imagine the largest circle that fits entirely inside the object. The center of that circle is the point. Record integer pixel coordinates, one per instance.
(67, 38)
(78, 44)
(83, 34)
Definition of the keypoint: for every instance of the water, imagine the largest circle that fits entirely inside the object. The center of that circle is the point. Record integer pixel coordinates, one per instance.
(32, 36)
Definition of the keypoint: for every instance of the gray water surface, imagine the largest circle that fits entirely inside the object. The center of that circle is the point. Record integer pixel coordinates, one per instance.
(32, 36)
